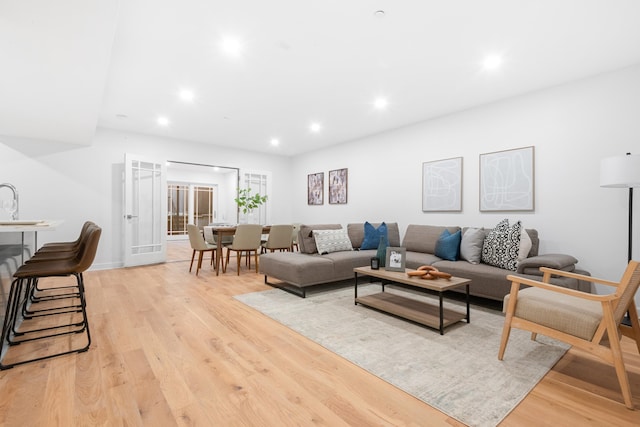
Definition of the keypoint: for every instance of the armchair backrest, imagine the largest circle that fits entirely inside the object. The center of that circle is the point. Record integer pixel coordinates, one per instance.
(627, 289)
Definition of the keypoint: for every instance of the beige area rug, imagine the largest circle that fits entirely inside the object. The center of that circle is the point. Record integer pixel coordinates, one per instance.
(458, 373)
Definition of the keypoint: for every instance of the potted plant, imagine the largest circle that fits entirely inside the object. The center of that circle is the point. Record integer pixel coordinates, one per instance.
(248, 202)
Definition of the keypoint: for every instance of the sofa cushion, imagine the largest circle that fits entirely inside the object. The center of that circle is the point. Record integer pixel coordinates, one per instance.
(471, 244)
(532, 265)
(373, 234)
(500, 247)
(345, 262)
(306, 241)
(525, 245)
(423, 238)
(491, 282)
(535, 241)
(297, 268)
(356, 233)
(417, 259)
(448, 245)
(328, 241)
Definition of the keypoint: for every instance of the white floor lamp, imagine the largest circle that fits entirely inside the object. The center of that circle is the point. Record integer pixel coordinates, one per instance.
(622, 172)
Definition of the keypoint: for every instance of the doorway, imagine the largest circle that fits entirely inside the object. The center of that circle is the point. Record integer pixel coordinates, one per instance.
(198, 194)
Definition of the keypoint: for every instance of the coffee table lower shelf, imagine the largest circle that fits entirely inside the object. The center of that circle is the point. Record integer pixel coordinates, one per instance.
(420, 312)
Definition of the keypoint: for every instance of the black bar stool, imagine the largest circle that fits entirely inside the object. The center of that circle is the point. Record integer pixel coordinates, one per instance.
(23, 285)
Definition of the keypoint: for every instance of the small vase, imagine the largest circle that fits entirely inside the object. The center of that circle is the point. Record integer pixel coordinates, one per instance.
(381, 254)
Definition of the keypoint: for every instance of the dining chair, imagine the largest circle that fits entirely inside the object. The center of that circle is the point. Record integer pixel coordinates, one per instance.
(587, 321)
(247, 239)
(294, 236)
(280, 238)
(198, 244)
(211, 238)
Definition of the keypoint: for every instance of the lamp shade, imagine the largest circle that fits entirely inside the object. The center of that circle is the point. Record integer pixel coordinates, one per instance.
(620, 171)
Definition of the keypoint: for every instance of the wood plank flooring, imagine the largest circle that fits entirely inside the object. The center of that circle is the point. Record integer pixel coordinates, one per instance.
(170, 348)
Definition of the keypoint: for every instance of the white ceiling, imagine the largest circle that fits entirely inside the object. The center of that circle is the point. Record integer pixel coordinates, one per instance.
(69, 66)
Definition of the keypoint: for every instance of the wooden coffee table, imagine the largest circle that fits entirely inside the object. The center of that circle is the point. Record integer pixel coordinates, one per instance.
(421, 312)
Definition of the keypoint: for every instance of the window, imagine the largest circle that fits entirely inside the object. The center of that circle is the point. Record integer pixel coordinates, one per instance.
(203, 212)
(177, 213)
(189, 204)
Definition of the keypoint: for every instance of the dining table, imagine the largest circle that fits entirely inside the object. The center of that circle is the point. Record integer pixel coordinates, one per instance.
(227, 230)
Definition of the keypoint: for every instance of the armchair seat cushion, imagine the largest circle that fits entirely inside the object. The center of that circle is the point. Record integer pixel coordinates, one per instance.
(565, 313)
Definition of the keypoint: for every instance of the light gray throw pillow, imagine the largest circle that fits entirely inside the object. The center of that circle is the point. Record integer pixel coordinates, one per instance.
(471, 245)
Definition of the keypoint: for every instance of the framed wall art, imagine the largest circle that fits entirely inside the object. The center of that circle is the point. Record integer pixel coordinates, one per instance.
(507, 180)
(315, 188)
(442, 185)
(338, 187)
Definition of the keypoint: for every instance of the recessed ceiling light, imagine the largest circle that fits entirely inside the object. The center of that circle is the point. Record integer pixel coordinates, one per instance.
(315, 127)
(231, 46)
(122, 116)
(163, 121)
(492, 62)
(380, 103)
(275, 142)
(379, 13)
(186, 95)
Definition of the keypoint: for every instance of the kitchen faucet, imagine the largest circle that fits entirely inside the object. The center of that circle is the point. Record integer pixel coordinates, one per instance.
(14, 214)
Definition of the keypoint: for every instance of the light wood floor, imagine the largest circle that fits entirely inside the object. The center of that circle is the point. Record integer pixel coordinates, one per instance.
(170, 348)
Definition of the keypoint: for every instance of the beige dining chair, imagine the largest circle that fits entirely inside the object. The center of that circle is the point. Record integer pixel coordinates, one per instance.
(247, 239)
(294, 236)
(280, 238)
(211, 238)
(589, 322)
(198, 244)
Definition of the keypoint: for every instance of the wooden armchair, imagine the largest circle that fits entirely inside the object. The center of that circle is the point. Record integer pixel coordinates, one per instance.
(575, 317)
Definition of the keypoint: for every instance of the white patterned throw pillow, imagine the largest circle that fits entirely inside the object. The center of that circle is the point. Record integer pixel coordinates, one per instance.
(502, 244)
(328, 241)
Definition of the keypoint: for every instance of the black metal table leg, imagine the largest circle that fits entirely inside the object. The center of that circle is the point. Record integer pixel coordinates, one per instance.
(468, 312)
(441, 315)
(356, 291)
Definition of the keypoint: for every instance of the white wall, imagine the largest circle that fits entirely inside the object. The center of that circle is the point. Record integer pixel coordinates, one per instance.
(85, 183)
(572, 128)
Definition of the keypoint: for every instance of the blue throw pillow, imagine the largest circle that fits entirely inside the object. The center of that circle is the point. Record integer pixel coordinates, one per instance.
(448, 245)
(372, 235)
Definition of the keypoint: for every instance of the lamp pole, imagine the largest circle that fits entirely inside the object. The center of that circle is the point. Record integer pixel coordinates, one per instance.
(630, 256)
(622, 172)
(626, 320)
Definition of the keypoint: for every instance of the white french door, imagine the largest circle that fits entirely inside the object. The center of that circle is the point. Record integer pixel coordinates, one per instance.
(145, 211)
(260, 183)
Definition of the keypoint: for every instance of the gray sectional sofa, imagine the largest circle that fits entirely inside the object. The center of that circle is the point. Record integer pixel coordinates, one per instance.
(296, 271)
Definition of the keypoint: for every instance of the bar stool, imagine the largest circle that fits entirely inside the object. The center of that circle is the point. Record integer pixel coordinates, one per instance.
(58, 251)
(25, 279)
(65, 246)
